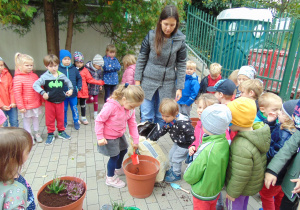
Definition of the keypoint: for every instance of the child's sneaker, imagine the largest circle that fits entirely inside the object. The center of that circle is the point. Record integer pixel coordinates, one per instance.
(38, 138)
(65, 124)
(50, 139)
(76, 125)
(114, 182)
(172, 177)
(119, 171)
(63, 135)
(168, 172)
(84, 120)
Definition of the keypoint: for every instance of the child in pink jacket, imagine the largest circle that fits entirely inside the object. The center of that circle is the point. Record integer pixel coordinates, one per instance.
(110, 126)
(129, 62)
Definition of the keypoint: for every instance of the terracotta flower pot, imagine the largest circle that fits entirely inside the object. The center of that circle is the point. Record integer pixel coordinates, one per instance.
(141, 178)
(76, 205)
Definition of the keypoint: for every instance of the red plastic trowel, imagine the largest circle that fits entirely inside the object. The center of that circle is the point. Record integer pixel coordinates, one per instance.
(135, 158)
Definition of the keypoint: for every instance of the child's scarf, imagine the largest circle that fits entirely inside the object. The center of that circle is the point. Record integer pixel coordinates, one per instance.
(170, 124)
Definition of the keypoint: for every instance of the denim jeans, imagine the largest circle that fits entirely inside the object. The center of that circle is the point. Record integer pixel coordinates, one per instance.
(150, 110)
(73, 106)
(12, 117)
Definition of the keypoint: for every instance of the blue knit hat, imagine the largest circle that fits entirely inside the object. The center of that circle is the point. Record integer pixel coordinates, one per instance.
(64, 53)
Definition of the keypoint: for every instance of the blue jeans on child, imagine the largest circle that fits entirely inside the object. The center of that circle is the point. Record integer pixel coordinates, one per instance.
(109, 89)
(12, 117)
(115, 162)
(73, 106)
(150, 110)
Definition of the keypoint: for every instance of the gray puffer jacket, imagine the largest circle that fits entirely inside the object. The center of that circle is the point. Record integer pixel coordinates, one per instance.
(165, 73)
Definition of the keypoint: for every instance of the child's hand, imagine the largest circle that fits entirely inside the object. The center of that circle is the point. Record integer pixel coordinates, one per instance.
(69, 92)
(5, 108)
(270, 179)
(102, 142)
(135, 146)
(13, 105)
(272, 116)
(45, 96)
(297, 187)
(229, 197)
(22, 110)
(100, 88)
(192, 150)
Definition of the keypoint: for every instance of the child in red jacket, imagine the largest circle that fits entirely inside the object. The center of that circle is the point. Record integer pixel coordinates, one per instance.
(83, 94)
(7, 98)
(27, 99)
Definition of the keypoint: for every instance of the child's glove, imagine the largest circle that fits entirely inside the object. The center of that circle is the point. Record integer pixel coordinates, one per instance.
(151, 134)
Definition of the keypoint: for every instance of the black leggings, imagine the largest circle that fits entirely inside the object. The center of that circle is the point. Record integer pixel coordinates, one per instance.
(82, 106)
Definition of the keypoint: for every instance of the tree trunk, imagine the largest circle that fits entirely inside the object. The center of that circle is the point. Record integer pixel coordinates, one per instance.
(56, 28)
(70, 25)
(49, 26)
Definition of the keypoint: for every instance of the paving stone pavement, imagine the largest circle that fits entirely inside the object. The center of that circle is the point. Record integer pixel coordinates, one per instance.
(79, 157)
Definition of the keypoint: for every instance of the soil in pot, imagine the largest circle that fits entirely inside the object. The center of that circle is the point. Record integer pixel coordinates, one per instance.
(56, 200)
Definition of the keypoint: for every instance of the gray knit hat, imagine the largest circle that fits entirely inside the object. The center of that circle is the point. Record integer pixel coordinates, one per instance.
(289, 107)
(98, 60)
(216, 118)
(248, 71)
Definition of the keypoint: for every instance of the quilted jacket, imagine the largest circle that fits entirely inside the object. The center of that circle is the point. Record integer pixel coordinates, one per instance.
(26, 97)
(87, 78)
(247, 162)
(128, 76)
(6, 89)
(285, 154)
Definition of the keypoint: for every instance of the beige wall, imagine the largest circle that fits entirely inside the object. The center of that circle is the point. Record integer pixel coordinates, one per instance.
(33, 43)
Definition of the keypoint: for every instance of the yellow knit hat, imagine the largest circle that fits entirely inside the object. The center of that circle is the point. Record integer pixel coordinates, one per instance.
(243, 111)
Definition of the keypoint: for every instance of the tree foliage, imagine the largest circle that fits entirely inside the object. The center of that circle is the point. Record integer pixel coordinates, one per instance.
(17, 15)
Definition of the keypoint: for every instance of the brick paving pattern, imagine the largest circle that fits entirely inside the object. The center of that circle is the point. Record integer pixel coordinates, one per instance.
(79, 157)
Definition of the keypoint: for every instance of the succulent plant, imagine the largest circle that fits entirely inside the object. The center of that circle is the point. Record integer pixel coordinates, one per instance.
(55, 187)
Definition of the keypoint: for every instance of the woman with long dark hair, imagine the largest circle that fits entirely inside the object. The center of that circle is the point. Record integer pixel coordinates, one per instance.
(161, 64)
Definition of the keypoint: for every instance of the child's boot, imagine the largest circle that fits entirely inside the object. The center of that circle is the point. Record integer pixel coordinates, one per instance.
(172, 177)
(168, 172)
(114, 182)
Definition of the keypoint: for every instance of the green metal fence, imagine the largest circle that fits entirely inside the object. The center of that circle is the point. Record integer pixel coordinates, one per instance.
(271, 46)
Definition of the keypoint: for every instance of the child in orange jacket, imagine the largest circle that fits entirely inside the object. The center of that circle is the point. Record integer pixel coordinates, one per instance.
(7, 99)
(83, 94)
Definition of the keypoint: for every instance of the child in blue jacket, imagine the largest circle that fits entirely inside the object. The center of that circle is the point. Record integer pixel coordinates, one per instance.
(110, 68)
(66, 67)
(191, 89)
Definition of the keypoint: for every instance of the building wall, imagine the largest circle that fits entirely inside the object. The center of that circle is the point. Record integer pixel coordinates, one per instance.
(33, 43)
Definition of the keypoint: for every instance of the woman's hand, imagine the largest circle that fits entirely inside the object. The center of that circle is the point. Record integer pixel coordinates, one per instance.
(137, 82)
(13, 105)
(270, 179)
(178, 94)
(297, 187)
(22, 110)
(102, 142)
